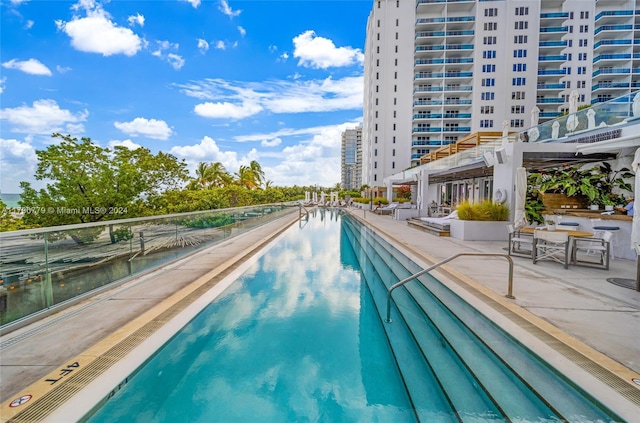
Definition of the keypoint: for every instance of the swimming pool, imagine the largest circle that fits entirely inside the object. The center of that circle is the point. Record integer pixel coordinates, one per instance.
(298, 337)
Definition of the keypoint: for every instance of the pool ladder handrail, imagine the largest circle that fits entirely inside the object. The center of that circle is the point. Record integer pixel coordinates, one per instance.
(440, 263)
(306, 212)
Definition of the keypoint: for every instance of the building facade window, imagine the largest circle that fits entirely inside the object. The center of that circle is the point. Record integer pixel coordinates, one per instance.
(491, 12)
(486, 123)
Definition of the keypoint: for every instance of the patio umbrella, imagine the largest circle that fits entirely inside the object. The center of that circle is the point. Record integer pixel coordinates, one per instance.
(519, 216)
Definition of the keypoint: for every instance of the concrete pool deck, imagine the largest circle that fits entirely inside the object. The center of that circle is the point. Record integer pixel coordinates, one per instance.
(578, 305)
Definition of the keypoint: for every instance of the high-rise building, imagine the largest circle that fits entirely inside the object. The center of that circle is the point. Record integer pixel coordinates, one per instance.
(388, 81)
(351, 159)
(487, 66)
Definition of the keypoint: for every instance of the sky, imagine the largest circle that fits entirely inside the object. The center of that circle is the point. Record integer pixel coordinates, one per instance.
(207, 81)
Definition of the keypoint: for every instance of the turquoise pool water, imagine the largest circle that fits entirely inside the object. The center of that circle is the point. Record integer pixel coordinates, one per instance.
(298, 337)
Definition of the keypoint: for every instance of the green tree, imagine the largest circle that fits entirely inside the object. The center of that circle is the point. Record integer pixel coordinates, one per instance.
(247, 178)
(89, 183)
(257, 172)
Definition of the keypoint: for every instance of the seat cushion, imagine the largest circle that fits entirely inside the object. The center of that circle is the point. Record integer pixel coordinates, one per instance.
(606, 228)
(569, 224)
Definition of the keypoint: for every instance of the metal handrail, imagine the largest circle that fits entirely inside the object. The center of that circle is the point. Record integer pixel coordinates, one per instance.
(440, 263)
(306, 212)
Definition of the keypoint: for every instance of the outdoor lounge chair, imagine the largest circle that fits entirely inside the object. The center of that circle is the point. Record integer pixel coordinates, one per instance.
(441, 223)
(386, 209)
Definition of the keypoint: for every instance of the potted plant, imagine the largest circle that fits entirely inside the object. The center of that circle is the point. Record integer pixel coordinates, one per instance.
(551, 224)
(481, 221)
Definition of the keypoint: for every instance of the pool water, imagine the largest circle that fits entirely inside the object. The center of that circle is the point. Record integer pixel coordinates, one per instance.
(299, 337)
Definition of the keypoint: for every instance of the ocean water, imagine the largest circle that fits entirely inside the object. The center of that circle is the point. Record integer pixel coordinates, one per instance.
(11, 200)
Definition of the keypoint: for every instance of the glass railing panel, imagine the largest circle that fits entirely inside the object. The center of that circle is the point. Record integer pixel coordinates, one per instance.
(555, 29)
(614, 13)
(42, 268)
(612, 28)
(611, 43)
(552, 43)
(554, 15)
(604, 113)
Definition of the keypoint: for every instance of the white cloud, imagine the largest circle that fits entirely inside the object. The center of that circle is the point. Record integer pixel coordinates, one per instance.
(194, 3)
(226, 9)
(203, 45)
(28, 24)
(271, 143)
(318, 52)
(62, 69)
(44, 117)
(310, 161)
(18, 2)
(173, 59)
(96, 33)
(227, 110)
(240, 100)
(125, 143)
(273, 48)
(31, 66)
(136, 20)
(242, 31)
(151, 128)
(283, 57)
(220, 45)
(18, 162)
(3, 81)
(208, 151)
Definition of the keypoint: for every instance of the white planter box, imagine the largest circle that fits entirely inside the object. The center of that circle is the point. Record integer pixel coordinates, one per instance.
(473, 230)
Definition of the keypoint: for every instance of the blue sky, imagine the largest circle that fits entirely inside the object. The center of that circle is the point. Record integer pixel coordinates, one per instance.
(214, 81)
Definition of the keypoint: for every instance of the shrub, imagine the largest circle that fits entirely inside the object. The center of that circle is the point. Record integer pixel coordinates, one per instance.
(486, 211)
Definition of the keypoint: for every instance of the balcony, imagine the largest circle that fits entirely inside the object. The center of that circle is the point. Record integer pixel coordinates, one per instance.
(611, 57)
(549, 44)
(552, 72)
(603, 43)
(604, 85)
(616, 13)
(427, 143)
(611, 71)
(445, 129)
(442, 20)
(613, 28)
(549, 114)
(560, 86)
(422, 34)
(430, 48)
(554, 15)
(429, 62)
(554, 29)
(542, 100)
(553, 58)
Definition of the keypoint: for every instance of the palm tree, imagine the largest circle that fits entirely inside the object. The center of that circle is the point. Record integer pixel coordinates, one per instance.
(203, 177)
(246, 178)
(257, 171)
(219, 175)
